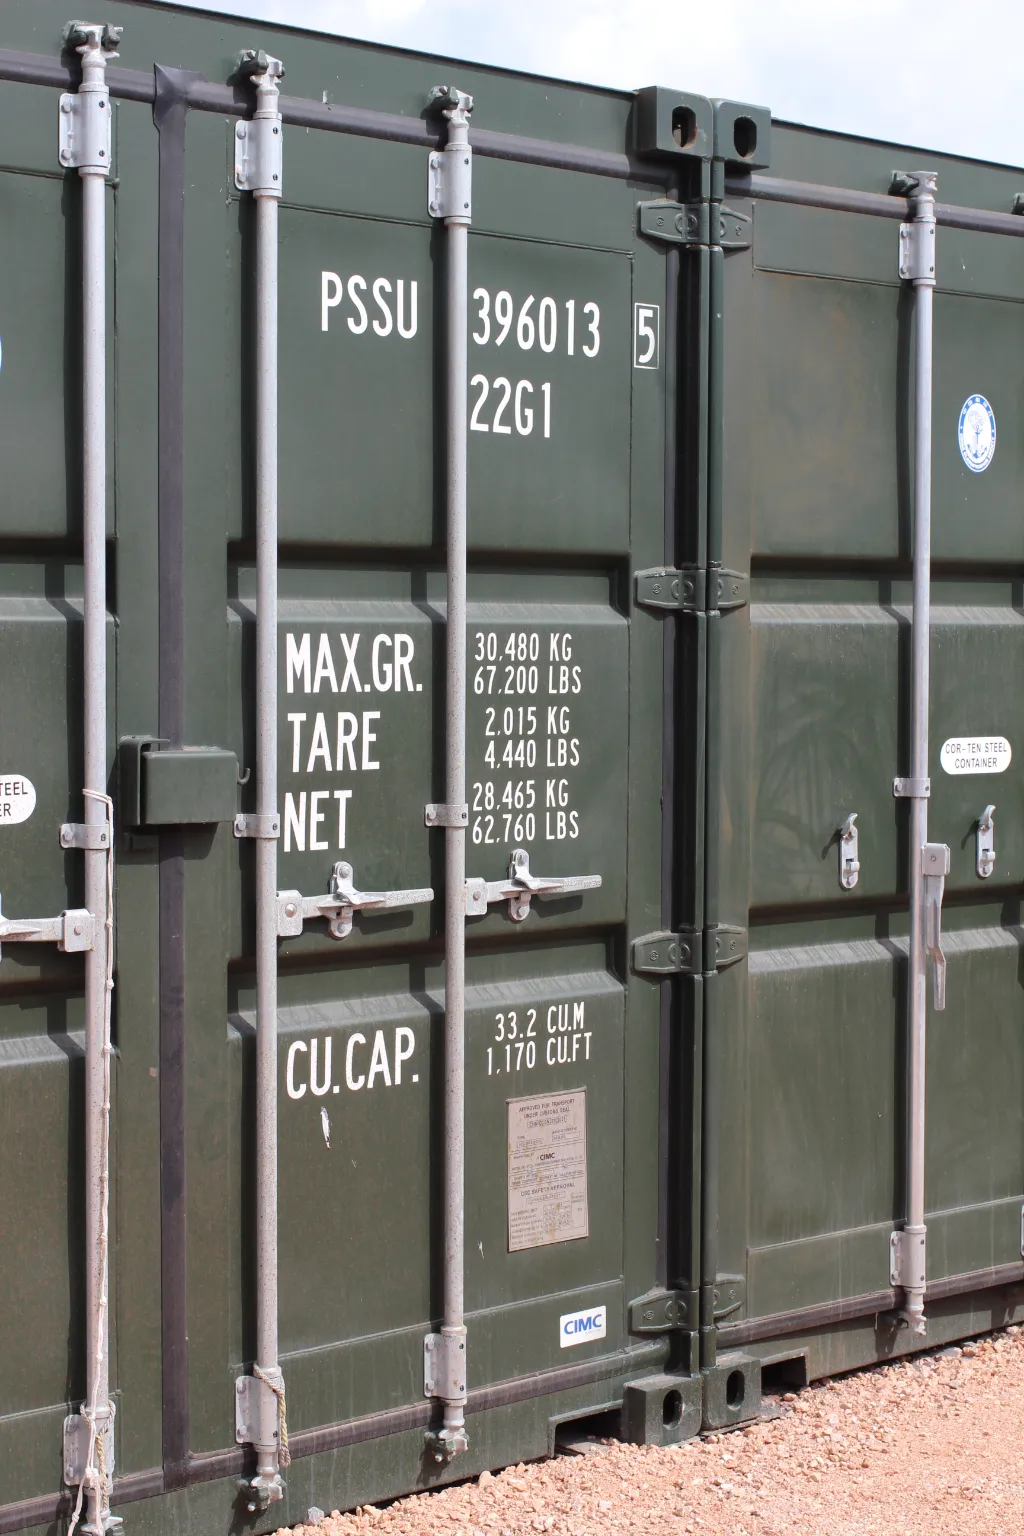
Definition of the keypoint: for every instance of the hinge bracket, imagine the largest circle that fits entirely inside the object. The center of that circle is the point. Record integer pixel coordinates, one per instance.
(682, 591)
(691, 589)
(726, 589)
(731, 231)
(675, 223)
(664, 1312)
(721, 1300)
(669, 954)
(690, 952)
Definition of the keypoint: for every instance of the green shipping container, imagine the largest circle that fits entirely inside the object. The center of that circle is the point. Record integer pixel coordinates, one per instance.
(470, 544)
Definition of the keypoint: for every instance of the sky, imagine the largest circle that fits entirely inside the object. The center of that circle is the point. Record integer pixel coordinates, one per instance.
(941, 74)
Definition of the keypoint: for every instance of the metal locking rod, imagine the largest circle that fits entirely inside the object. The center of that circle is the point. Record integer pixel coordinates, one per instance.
(85, 144)
(258, 169)
(449, 197)
(338, 907)
(986, 854)
(521, 886)
(917, 265)
(849, 863)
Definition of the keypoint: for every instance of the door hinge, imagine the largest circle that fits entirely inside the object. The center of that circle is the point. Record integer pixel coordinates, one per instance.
(664, 1312)
(721, 1300)
(691, 589)
(690, 952)
(663, 587)
(675, 223)
(730, 230)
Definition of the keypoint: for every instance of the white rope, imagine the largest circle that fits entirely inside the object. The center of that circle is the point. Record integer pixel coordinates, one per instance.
(95, 1475)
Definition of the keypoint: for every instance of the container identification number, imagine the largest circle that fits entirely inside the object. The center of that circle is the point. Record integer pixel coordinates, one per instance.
(502, 406)
(543, 330)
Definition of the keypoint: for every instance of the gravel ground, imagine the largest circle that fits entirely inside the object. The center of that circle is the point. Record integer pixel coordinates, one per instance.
(924, 1448)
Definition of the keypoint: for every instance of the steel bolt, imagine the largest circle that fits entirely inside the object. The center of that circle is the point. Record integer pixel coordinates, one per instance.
(240, 131)
(65, 106)
(290, 909)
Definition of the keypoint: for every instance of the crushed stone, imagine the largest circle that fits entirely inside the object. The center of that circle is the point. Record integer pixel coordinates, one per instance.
(922, 1447)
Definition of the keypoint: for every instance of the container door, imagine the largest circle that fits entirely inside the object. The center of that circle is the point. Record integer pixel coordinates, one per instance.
(814, 693)
(42, 1212)
(567, 728)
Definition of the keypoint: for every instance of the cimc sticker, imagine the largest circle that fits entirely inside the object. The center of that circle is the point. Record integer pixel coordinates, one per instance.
(581, 1327)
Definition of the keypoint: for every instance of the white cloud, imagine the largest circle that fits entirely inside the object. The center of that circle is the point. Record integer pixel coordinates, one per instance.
(943, 74)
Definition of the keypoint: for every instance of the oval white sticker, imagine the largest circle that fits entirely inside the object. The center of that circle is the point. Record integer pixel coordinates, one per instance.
(977, 433)
(17, 798)
(975, 754)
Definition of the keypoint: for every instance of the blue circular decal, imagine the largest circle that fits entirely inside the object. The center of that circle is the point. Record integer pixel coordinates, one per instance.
(977, 433)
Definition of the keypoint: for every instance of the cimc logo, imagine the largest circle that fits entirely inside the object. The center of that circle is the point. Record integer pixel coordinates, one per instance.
(581, 1327)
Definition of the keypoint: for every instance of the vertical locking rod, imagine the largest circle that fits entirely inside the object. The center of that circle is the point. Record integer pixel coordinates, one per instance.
(85, 144)
(258, 169)
(449, 197)
(917, 264)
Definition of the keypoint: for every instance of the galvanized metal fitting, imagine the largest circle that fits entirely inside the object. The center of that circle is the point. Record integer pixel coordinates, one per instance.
(259, 143)
(450, 171)
(84, 116)
(986, 845)
(521, 886)
(907, 1270)
(452, 103)
(849, 862)
(917, 238)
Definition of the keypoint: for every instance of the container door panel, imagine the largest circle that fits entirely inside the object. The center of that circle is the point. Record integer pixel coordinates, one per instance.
(42, 1213)
(564, 743)
(815, 678)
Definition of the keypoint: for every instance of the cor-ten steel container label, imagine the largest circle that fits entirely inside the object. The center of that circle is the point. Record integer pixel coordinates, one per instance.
(975, 754)
(547, 1170)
